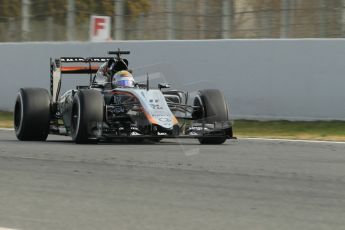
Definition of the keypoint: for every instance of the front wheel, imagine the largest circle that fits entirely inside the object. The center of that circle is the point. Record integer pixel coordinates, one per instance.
(87, 113)
(213, 109)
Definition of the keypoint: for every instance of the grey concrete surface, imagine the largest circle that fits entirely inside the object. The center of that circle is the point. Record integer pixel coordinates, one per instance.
(298, 79)
(177, 184)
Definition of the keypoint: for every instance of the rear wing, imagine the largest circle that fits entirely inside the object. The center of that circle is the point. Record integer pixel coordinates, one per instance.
(78, 65)
(86, 68)
(71, 65)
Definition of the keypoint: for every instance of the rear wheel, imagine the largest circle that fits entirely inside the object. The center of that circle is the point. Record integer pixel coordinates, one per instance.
(214, 109)
(32, 114)
(87, 113)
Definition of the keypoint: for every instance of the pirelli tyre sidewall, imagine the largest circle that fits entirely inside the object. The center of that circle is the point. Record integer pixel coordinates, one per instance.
(214, 109)
(87, 113)
(32, 114)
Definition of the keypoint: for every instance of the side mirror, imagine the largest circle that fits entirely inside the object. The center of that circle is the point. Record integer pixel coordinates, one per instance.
(163, 86)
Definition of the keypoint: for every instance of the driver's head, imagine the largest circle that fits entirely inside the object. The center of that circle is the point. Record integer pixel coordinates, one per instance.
(123, 78)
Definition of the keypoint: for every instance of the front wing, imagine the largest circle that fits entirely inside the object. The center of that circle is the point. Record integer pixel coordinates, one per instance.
(196, 130)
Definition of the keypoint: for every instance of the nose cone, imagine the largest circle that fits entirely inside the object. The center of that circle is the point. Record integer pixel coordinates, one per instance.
(165, 121)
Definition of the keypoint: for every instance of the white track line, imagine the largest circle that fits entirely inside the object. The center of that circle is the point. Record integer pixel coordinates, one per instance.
(7, 228)
(290, 140)
(6, 129)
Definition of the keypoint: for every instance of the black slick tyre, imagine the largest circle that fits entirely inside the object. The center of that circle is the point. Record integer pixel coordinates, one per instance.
(32, 114)
(215, 109)
(87, 113)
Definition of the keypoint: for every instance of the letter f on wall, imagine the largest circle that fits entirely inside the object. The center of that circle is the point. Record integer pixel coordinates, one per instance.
(99, 24)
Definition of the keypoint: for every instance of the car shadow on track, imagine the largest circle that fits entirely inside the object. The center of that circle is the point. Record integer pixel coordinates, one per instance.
(175, 142)
(117, 142)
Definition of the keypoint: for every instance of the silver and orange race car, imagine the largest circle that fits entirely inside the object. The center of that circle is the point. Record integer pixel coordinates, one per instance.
(106, 112)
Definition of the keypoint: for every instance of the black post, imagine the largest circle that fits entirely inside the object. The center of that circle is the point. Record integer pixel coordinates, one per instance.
(147, 82)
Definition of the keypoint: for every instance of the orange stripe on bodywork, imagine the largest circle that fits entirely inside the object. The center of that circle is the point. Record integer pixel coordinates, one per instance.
(67, 69)
(175, 121)
(150, 118)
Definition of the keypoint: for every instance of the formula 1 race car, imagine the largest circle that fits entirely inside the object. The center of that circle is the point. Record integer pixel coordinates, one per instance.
(96, 112)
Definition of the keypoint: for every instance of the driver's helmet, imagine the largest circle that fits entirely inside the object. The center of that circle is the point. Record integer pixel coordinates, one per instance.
(123, 78)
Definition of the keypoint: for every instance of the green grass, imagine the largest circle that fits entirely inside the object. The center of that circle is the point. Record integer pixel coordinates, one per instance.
(314, 130)
(6, 119)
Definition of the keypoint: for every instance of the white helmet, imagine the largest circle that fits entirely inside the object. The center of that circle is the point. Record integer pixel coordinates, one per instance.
(123, 78)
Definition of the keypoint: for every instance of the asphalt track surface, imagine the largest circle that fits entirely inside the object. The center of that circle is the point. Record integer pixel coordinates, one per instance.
(177, 184)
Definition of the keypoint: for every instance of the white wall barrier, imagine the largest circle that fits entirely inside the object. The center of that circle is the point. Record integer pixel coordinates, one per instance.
(273, 79)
